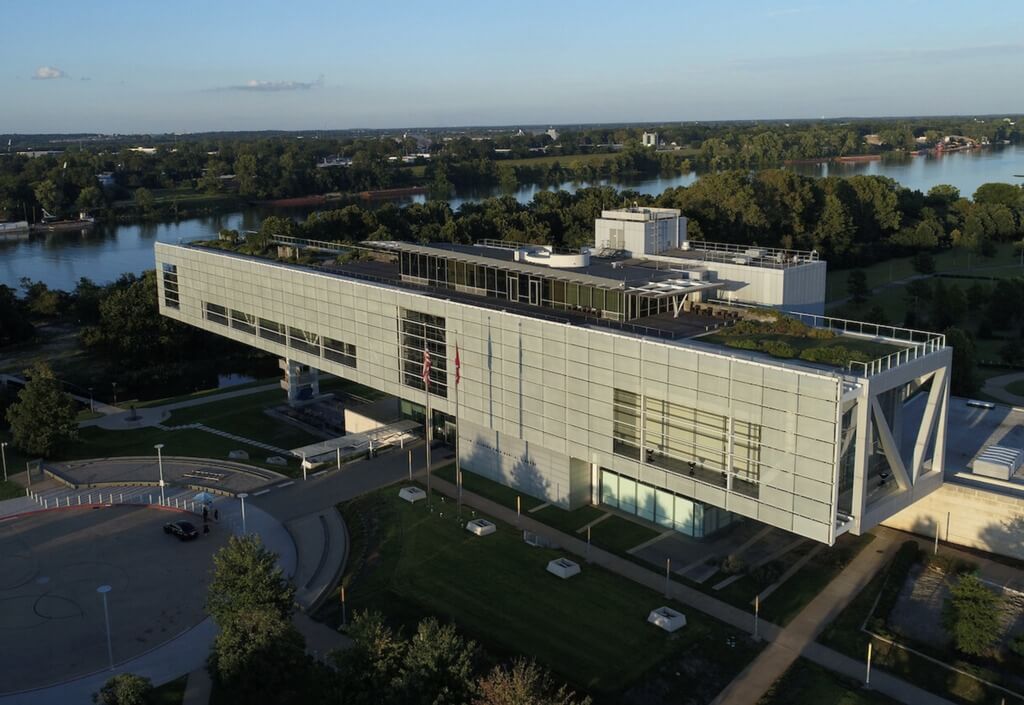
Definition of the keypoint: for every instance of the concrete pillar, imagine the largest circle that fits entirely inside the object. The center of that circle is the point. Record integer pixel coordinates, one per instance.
(299, 380)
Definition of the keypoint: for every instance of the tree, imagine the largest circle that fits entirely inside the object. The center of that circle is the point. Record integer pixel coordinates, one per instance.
(438, 666)
(369, 669)
(124, 689)
(524, 683)
(14, 323)
(971, 616)
(857, 286)
(47, 195)
(258, 655)
(43, 419)
(144, 200)
(963, 381)
(246, 578)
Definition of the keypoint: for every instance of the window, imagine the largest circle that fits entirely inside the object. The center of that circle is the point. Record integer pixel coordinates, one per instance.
(304, 341)
(171, 294)
(420, 331)
(335, 350)
(217, 314)
(243, 322)
(272, 330)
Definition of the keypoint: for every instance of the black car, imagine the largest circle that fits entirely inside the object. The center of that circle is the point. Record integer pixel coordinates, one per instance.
(182, 529)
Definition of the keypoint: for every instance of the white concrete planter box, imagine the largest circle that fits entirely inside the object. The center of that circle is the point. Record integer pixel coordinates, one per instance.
(563, 568)
(667, 618)
(481, 527)
(238, 455)
(412, 494)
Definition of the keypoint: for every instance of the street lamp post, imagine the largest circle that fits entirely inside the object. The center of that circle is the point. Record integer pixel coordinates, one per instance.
(242, 497)
(103, 590)
(3, 454)
(92, 405)
(160, 464)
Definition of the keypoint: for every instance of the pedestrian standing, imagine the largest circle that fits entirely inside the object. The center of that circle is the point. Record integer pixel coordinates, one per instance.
(216, 515)
(206, 515)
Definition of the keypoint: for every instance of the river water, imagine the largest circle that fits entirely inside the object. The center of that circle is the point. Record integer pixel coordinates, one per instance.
(60, 259)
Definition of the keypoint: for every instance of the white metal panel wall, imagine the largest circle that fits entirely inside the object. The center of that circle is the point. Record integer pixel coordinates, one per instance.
(542, 391)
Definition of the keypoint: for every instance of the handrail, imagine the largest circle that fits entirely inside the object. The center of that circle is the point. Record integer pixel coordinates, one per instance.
(919, 342)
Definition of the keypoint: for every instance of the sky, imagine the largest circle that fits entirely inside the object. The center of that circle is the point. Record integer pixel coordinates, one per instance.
(185, 66)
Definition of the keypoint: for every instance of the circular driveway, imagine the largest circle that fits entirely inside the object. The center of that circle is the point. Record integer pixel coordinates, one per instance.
(50, 566)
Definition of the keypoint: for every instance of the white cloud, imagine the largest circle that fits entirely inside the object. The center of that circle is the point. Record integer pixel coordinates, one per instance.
(275, 86)
(45, 73)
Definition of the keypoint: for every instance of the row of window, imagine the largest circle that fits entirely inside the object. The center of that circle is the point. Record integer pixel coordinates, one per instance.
(170, 277)
(687, 441)
(673, 511)
(419, 332)
(295, 338)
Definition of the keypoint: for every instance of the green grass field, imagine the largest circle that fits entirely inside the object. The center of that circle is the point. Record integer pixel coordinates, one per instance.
(1005, 263)
(97, 443)
(244, 416)
(872, 349)
(807, 683)
(591, 630)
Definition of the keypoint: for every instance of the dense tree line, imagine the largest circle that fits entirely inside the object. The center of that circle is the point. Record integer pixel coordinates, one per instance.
(124, 339)
(849, 221)
(283, 165)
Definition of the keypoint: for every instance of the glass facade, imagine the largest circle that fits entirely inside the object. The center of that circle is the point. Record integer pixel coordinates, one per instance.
(667, 509)
(170, 276)
(419, 332)
(688, 441)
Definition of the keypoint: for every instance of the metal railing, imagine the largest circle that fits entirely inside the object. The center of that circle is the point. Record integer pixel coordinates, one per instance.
(918, 342)
(100, 497)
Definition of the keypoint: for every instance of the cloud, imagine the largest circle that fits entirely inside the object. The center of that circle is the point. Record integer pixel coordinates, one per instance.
(275, 86)
(45, 73)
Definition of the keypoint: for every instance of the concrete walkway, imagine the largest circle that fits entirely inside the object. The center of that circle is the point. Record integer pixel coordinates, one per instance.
(798, 637)
(995, 387)
(198, 688)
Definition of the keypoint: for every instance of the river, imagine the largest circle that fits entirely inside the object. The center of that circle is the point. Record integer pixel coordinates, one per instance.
(60, 259)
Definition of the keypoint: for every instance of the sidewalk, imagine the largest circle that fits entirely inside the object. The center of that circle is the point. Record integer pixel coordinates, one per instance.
(118, 419)
(797, 638)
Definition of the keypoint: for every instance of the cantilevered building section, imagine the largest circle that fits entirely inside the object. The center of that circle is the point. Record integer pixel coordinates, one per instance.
(599, 376)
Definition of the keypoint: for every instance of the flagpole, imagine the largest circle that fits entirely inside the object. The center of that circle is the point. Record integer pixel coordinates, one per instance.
(430, 497)
(458, 467)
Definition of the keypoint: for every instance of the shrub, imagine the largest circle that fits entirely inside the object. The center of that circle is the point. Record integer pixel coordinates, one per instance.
(837, 355)
(733, 564)
(971, 615)
(124, 689)
(742, 344)
(767, 574)
(777, 348)
(1017, 646)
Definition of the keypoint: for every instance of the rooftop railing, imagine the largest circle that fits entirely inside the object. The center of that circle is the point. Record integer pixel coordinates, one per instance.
(918, 343)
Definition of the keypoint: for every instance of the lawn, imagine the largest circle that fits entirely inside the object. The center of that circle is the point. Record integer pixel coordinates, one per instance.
(97, 443)
(1006, 262)
(1015, 387)
(614, 534)
(244, 417)
(806, 683)
(489, 489)
(591, 630)
(204, 393)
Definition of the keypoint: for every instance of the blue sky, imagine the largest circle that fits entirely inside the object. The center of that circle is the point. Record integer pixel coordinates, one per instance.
(113, 66)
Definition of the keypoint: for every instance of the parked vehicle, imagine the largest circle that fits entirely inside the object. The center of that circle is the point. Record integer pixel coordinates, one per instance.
(182, 529)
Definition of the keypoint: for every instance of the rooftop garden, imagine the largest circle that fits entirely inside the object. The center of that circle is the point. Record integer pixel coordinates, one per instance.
(787, 338)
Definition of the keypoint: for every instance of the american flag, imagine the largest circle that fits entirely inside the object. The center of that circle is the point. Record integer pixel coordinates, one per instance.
(458, 366)
(426, 366)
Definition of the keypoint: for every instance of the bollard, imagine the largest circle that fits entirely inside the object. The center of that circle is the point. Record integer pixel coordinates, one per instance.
(79, 500)
(150, 499)
(120, 497)
(90, 498)
(46, 503)
(67, 501)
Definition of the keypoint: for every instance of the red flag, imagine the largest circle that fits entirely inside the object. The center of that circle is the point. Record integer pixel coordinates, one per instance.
(458, 366)
(426, 366)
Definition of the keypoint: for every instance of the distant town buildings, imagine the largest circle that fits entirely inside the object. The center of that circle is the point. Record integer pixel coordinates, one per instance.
(649, 139)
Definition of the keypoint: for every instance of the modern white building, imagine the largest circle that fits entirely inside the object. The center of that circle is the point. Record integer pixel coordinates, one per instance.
(649, 139)
(598, 380)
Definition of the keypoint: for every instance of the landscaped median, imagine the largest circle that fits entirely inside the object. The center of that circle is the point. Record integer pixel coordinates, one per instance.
(408, 561)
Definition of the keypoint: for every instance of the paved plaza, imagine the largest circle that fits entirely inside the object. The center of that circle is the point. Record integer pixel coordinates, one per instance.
(50, 566)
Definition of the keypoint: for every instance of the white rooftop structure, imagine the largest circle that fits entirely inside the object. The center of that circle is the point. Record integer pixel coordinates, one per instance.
(999, 462)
